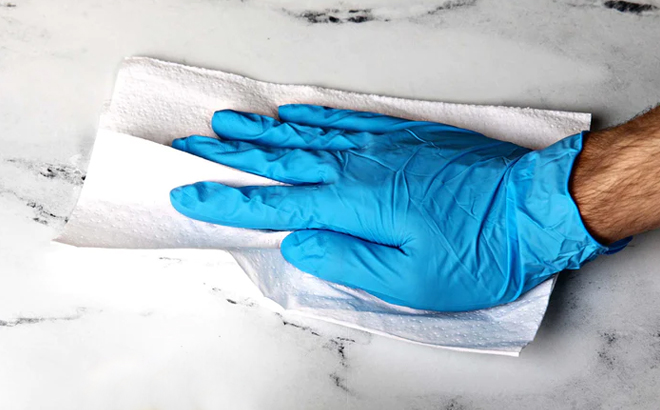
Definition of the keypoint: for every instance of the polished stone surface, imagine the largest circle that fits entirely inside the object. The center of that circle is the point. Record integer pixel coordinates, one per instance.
(136, 330)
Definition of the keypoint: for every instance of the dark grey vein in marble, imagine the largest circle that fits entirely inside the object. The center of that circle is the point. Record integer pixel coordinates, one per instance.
(451, 5)
(46, 172)
(44, 216)
(357, 16)
(334, 16)
(339, 381)
(61, 172)
(165, 258)
(607, 355)
(454, 404)
(338, 345)
(41, 214)
(297, 326)
(623, 7)
(613, 345)
(21, 321)
(244, 302)
(629, 7)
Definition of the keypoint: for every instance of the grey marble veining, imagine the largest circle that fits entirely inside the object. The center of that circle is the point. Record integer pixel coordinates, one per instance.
(130, 330)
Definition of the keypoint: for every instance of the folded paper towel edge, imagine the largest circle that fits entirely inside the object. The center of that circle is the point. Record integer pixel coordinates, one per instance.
(127, 62)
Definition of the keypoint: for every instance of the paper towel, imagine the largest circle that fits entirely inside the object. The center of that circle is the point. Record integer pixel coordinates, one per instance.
(125, 200)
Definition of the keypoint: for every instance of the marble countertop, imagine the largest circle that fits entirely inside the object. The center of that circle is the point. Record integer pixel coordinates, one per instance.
(144, 333)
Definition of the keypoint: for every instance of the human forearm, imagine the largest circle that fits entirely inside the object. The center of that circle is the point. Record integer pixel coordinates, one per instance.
(616, 179)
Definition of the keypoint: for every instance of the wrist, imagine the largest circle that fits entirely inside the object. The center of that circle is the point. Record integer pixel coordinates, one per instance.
(615, 177)
(550, 235)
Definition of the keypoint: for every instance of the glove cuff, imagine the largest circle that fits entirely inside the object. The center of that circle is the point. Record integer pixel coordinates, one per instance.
(549, 234)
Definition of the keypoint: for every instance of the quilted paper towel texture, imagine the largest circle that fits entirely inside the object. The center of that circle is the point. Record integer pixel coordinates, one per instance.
(125, 200)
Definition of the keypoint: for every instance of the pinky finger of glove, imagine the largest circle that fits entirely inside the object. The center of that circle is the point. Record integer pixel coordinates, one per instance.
(348, 261)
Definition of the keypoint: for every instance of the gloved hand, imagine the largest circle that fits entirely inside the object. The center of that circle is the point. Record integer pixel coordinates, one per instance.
(419, 214)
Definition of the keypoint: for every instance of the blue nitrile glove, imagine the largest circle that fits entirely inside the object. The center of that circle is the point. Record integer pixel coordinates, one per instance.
(419, 214)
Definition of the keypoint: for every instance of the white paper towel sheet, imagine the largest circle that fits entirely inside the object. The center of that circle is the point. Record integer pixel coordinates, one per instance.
(125, 200)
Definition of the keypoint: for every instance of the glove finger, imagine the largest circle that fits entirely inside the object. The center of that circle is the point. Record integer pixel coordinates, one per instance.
(292, 166)
(347, 260)
(264, 130)
(356, 121)
(280, 208)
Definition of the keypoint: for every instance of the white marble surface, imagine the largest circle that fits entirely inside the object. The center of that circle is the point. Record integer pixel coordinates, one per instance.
(135, 331)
